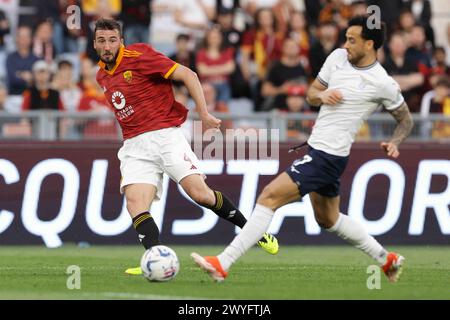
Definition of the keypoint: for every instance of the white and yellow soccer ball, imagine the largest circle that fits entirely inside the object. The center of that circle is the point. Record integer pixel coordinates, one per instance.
(160, 263)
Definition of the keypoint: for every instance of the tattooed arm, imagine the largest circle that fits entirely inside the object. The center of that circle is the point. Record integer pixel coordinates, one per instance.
(404, 126)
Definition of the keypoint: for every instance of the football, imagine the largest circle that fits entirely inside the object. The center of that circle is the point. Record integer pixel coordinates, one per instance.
(159, 263)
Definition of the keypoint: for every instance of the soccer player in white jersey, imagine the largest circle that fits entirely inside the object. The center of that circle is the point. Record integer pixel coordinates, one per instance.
(349, 87)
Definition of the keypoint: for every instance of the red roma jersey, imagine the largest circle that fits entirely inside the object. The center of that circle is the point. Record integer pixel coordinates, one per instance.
(139, 91)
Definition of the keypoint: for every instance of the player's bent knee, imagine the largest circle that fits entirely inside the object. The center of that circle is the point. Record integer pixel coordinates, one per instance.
(137, 203)
(136, 206)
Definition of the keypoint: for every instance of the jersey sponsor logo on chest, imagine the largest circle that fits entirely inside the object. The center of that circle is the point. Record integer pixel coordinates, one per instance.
(118, 100)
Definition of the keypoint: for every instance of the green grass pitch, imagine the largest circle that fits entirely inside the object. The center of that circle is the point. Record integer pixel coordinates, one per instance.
(297, 272)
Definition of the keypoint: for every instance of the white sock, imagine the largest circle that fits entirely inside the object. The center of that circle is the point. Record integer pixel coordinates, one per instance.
(353, 232)
(253, 230)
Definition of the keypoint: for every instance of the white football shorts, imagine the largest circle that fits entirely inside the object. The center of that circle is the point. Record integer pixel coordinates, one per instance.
(145, 158)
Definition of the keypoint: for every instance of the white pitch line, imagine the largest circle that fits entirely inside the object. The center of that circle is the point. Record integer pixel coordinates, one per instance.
(126, 295)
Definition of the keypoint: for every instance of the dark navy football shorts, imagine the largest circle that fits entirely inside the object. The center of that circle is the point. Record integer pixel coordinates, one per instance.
(318, 171)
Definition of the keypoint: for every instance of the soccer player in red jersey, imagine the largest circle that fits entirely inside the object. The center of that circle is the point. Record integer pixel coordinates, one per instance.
(137, 84)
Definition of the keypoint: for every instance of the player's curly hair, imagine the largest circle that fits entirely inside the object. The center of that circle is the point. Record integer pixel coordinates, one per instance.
(107, 24)
(377, 35)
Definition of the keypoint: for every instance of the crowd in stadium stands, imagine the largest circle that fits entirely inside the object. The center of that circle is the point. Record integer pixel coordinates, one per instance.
(250, 55)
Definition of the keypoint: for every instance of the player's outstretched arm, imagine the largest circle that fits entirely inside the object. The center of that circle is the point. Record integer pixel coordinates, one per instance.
(192, 83)
(401, 132)
(318, 95)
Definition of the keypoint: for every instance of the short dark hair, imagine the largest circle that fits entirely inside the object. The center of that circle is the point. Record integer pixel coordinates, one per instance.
(377, 35)
(396, 33)
(258, 13)
(443, 81)
(107, 24)
(438, 48)
(64, 63)
(183, 36)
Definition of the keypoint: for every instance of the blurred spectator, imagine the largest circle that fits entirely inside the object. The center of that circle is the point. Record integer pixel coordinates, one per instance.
(183, 55)
(163, 28)
(434, 101)
(55, 12)
(260, 45)
(233, 6)
(296, 103)
(439, 66)
(18, 67)
(10, 127)
(65, 84)
(312, 9)
(46, 10)
(3, 96)
(420, 53)
(283, 10)
(194, 17)
(298, 30)
(4, 29)
(328, 41)
(336, 11)
(240, 21)
(43, 47)
(421, 10)
(404, 70)
(213, 105)
(92, 100)
(70, 94)
(418, 49)
(231, 36)
(88, 71)
(95, 8)
(437, 101)
(227, 4)
(447, 45)
(406, 21)
(135, 16)
(359, 8)
(215, 63)
(286, 75)
(295, 99)
(41, 95)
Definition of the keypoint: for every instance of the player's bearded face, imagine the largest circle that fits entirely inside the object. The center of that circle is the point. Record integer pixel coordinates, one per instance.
(354, 57)
(108, 56)
(107, 45)
(354, 45)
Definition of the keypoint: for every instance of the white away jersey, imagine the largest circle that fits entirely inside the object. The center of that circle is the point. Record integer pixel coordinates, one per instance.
(363, 90)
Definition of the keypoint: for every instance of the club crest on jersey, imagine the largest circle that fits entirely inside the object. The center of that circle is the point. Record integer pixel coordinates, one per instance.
(118, 100)
(128, 76)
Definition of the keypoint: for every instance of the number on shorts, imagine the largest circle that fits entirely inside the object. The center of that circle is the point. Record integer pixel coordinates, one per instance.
(306, 158)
